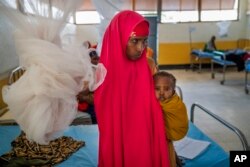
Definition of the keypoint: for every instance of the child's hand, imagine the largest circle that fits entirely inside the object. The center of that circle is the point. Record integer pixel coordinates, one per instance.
(83, 95)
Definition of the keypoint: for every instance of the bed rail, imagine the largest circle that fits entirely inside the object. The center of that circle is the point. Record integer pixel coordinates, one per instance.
(16, 74)
(221, 60)
(197, 55)
(179, 91)
(225, 123)
(247, 71)
(5, 116)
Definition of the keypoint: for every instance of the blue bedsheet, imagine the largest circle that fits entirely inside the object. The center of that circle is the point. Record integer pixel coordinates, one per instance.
(87, 156)
(202, 54)
(247, 65)
(213, 156)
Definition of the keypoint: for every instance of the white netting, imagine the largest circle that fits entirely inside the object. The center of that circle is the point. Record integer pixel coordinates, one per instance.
(43, 100)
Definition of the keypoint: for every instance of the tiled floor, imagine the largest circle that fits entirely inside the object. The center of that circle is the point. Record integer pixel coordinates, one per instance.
(228, 101)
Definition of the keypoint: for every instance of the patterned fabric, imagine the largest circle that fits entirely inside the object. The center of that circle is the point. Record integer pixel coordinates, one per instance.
(28, 152)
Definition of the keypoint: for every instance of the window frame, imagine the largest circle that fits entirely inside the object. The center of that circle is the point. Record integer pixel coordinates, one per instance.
(211, 11)
(161, 14)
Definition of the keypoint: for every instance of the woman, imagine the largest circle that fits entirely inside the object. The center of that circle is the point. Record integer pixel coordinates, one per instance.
(129, 117)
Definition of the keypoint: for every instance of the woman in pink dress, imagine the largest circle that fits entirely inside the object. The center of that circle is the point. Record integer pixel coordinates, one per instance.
(129, 117)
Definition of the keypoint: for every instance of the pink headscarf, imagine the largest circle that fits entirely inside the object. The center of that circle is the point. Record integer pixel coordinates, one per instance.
(129, 117)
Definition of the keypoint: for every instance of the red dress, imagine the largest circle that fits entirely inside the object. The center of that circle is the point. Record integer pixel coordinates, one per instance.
(129, 117)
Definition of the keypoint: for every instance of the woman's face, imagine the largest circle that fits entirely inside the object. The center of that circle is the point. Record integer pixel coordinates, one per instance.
(136, 46)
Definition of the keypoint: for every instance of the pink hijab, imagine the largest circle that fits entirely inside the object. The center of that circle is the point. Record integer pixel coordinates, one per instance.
(129, 117)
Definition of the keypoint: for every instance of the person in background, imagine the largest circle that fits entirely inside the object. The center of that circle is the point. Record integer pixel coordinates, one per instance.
(234, 55)
(86, 97)
(151, 62)
(94, 58)
(210, 45)
(150, 52)
(174, 111)
(130, 121)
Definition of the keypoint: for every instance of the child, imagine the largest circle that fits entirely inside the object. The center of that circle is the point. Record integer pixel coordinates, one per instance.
(174, 110)
(86, 97)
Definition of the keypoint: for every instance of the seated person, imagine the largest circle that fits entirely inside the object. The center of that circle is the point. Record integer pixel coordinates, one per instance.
(210, 45)
(86, 98)
(174, 110)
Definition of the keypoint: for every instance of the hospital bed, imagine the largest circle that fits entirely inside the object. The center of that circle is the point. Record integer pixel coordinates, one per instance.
(199, 55)
(226, 124)
(220, 59)
(87, 156)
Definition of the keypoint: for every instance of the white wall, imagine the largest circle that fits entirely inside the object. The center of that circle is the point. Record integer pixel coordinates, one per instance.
(87, 32)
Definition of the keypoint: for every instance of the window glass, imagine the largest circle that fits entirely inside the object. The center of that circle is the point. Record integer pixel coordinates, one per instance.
(148, 13)
(179, 16)
(12, 3)
(228, 11)
(87, 17)
(219, 15)
(174, 11)
(35, 7)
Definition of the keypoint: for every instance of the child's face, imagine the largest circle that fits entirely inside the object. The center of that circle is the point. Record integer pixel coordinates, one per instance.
(94, 60)
(163, 89)
(94, 57)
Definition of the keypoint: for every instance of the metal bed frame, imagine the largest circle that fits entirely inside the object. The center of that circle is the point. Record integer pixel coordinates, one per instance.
(15, 74)
(223, 62)
(240, 135)
(247, 71)
(179, 91)
(5, 116)
(199, 55)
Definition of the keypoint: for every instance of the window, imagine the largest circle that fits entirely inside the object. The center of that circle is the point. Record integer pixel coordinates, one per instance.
(174, 11)
(179, 11)
(170, 11)
(145, 7)
(214, 10)
(35, 7)
(87, 13)
(11, 3)
(87, 17)
(45, 8)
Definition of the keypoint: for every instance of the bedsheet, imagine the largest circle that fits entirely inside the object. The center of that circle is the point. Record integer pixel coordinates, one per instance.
(87, 156)
(202, 54)
(84, 157)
